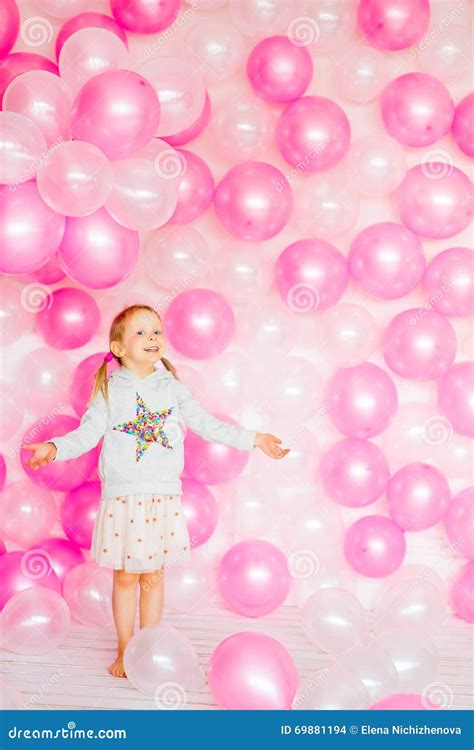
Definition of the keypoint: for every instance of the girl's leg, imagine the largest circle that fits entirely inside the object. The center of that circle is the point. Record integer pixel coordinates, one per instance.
(124, 605)
(151, 597)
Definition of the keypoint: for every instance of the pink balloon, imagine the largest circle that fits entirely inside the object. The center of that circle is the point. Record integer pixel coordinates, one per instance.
(456, 397)
(3, 477)
(87, 21)
(419, 344)
(194, 130)
(347, 335)
(418, 496)
(393, 24)
(50, 273)
(3, 549)
(449, 281)
(435, 200)
(386, 260)
(79, 511)
(9, 25)
(44, 374)
(374, 546)
(34, 622)
(215, 47)
(251, 671)
(354, 472)
(87, 590)
(71, 320)
(27, 513)
(461, 595)
(311, 275)
(462, 130)
(22, 144)
(200, 509)
(30, 231)
(89, 52)
(63, 475)
(253, 201)
(17, 63)
(279, 70)
(144, 16)
(15, 318)
(212, 463)
(199, 323)
(63, 8)
(362, 400)
(313, 133)
(195, 191)
(62, 554)
(83, 379)
(243, 128)
(25, 570)
(12, 416)
(405, 702)
(459, 523)
(118, 111)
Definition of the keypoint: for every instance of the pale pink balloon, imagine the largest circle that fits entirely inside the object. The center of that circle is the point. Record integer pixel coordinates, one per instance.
(326, 28)
(449, 281)
(260, 18)
(456, 397)
(462, 592)
(17, 63)
(405, 702)
(462, 129)
(347, 335)
(194, 130)
(12, 416)
(27, 513)
(216, 47)
(88, 52)
(83, 379)
(310, 275)
(62, 8)
(449, 55)
(361, 74)
(379, 164)
(418, 496)
(314, 133)
(278, 70)
(79, 511)
(240, 274)
(9, 25)
(459, 523)
(87, 590)
(419, 344)
(34, 622)
(393, 24)
(243, 128)
(374, 546)
(167, 162)
(206, 4)
(435, 200)
(30, 231)
(200, 510)
(86, 21)
(21, 145)
(45, 99)
(75, 179)
(180, 90)
(71, 320)
(190, 584)
(199, 323)
(354, 472)
(44, 374)
(3, 477)
(387, 260)
(362, 400)
(99, 253)
(326, 206)
(195, 191)
(144, 16)
(173, 252)
(62, 554)
(50, 273)
(15, 316)
(118, 111)
(250, 671)
(212, 463)
(296, 388)
(25, 570)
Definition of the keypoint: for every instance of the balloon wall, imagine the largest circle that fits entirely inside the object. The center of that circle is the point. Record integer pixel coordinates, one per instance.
(289, 183)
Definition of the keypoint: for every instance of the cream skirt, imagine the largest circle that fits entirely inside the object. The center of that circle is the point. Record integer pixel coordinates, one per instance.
(140, 533)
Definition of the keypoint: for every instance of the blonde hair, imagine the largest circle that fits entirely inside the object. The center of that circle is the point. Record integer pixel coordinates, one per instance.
(116, 332)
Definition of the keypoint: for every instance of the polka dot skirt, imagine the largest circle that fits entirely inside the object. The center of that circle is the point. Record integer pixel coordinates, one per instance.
(140, 533)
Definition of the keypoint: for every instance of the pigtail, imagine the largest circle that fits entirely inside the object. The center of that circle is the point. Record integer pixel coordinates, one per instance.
(101, 384)
(170, 367)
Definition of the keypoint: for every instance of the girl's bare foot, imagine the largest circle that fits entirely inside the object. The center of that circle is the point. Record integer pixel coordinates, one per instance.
(117, 669)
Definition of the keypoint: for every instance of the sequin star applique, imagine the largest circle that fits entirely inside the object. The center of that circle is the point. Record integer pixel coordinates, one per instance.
(148, 427)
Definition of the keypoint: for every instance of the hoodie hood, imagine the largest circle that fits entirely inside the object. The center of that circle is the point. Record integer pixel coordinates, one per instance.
(125, 376)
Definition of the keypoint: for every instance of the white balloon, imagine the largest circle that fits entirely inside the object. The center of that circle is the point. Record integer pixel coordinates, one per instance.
(331, 689)
(376, 670)
(415, 657)
(335, 620)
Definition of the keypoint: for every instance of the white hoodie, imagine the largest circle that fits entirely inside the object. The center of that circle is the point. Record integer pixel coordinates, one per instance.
(142, 450)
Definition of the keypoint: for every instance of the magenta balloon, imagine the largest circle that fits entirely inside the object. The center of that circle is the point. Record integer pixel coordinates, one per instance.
(71, 320)
(461, 595)
(83, 379)
(62, 554)
(362, 400)
(456, 397)
(195, 191)
(212, 463)
(118, 111)
(88, 592)
(9, 25)
(145, 16)
(97, 251)
(25, 570)
(393, 24)
(449, 281)
(200, 509)
(419, 344)
(459, 523)
(79, 511)
(199, 323)
(374, 546)
(279, 70)
(435, 200)
(3, 473)
(30, 231)
(192, 132)
(462, 129)
(418, 496)
(354, 472)
(253, 201)
(50, 273)
(387, 260)
(253, 577)
(250, 671)
(311, 275)
(313, 133)
(87, 21)
(63, 475)
(17, 63)
(3, 549)
(405, 702)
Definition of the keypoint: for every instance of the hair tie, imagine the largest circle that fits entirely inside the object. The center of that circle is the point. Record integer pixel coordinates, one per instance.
(108, 357)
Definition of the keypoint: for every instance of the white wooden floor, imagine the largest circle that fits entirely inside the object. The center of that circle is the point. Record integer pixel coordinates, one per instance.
(75, 675)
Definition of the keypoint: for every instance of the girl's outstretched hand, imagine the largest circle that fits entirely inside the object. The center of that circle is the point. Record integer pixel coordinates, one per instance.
(44, 453)
(269, 445)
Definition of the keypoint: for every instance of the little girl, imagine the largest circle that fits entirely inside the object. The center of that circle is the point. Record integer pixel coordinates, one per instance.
(137, 409)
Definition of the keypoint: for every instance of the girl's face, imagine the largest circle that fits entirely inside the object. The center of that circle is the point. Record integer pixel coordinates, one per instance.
(143, 339)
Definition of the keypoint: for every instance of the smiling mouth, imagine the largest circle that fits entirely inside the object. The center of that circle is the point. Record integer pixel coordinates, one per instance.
(153, 349)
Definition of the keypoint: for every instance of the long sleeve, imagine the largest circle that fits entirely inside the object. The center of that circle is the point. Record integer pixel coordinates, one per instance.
(85, 437)
(209, 427)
